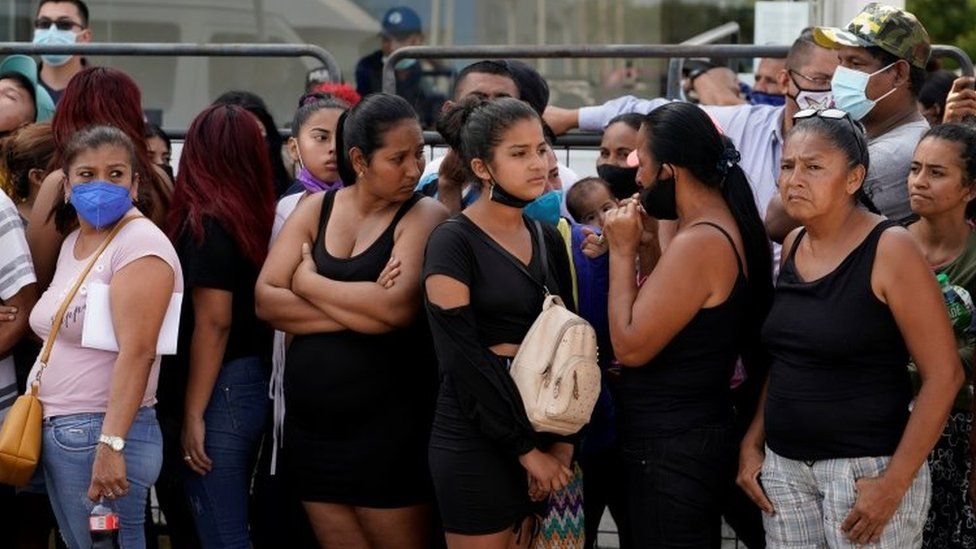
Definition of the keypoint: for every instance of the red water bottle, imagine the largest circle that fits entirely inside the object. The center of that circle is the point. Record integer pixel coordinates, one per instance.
(103, 523)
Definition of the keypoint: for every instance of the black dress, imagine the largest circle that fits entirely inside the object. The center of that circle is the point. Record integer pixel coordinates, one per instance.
(359, 406)
(480, 426)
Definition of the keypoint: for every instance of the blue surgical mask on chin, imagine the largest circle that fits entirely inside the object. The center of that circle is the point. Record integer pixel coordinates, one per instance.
(546, 208)
(52, 35)
(101, 203)
(849, 89)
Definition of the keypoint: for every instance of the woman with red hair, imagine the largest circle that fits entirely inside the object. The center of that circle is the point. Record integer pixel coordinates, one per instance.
(220, 223)
(95, 96)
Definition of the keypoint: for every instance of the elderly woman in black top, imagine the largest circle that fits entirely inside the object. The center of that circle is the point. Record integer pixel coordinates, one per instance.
(487, 463)
(844, 458)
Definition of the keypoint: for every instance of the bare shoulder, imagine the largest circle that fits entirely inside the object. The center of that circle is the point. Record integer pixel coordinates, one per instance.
(427, 212)
(896, 245)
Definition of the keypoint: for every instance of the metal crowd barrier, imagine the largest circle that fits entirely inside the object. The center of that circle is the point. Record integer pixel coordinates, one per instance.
(657, 51)
(676, 65)
(181, 50)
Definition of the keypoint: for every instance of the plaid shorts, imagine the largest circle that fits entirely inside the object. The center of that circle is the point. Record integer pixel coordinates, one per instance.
(812, 501)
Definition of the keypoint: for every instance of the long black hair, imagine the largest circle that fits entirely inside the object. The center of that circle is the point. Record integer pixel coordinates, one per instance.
(364, 127)
(682, 134)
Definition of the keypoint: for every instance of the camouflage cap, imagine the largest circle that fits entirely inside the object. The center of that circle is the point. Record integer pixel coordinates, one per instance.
(892, 29)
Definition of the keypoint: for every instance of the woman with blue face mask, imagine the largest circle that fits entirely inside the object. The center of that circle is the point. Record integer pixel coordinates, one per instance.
(61, 22)
(101, 438)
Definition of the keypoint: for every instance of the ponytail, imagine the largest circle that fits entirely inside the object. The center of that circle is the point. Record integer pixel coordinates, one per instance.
(758, 258)
(346, 172)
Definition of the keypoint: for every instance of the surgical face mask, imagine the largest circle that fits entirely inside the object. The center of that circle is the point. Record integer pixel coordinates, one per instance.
(660, 200)
(546, 208)
(308, 180)
(849, 88)
(623, 181)
(101, 203)
(52, 35)
(762, 98)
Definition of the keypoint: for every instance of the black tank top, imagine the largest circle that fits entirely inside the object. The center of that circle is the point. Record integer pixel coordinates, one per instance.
(838, 386)
(365, 266)
(687, 384)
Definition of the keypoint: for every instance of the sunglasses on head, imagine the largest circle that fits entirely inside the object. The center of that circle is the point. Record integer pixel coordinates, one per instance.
(63, 24)
(832, 114)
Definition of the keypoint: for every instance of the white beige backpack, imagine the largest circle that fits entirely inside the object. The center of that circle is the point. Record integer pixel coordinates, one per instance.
(556, 368)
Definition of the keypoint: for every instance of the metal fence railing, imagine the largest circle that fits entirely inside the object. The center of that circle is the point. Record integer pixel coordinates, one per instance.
(728, 31)
(181, 50)
(654, 51)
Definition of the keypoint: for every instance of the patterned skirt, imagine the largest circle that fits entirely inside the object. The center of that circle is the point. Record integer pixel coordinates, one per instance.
(563, 526)
(951, 523)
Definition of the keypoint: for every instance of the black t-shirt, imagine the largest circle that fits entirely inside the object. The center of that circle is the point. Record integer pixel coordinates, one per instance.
(478, 404)
(213, 262)
(216, 262)
(504, 300)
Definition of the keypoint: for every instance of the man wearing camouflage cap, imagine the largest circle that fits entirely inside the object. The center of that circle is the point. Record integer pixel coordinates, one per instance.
(882, 53)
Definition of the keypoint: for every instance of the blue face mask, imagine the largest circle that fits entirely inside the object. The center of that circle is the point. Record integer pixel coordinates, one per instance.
(762, 98)
(101, 203)
(546, 208)
(849, 88)
(52, 35)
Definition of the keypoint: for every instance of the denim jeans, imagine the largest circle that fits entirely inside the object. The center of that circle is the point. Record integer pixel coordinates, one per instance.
(67, 455)
(676, 485)
(235, 419)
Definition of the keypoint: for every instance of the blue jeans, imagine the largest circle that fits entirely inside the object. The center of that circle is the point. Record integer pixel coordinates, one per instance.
(235, 419)
(67, 456)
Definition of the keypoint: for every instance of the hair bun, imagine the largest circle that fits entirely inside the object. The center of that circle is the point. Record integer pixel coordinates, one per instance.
(451, 125)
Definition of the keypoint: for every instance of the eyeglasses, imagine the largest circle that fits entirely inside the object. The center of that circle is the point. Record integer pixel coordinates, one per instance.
(820, 82)
(834, 114)
(63, 24)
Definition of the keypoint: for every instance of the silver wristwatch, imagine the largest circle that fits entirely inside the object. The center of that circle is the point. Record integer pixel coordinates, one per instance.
(115, 443)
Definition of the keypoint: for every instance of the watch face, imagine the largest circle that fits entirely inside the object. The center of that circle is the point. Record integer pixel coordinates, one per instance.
(117, 445)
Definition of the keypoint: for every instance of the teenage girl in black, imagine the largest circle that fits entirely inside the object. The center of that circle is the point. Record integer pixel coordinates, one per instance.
(490, 469)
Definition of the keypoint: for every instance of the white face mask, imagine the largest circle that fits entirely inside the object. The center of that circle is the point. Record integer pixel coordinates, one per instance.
(811, 99)
(52, 35)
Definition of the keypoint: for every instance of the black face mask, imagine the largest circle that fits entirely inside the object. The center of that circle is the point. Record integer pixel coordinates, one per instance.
(497, 194)
(623, 181)
(659, 201)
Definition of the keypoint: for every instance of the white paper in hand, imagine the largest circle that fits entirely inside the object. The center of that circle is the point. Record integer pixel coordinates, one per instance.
(99, 332)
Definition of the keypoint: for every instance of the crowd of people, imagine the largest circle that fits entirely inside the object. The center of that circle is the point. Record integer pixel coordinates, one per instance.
(767, 276)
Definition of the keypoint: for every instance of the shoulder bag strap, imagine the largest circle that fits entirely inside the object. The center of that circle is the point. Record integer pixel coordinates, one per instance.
(59, 317)
(507, 255)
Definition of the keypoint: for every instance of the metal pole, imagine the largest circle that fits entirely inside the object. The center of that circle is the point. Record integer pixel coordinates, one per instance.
(181, 50)
(657, 51)
(552, 51)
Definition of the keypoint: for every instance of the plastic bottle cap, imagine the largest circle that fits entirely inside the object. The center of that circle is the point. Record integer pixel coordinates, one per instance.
(942, 278)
